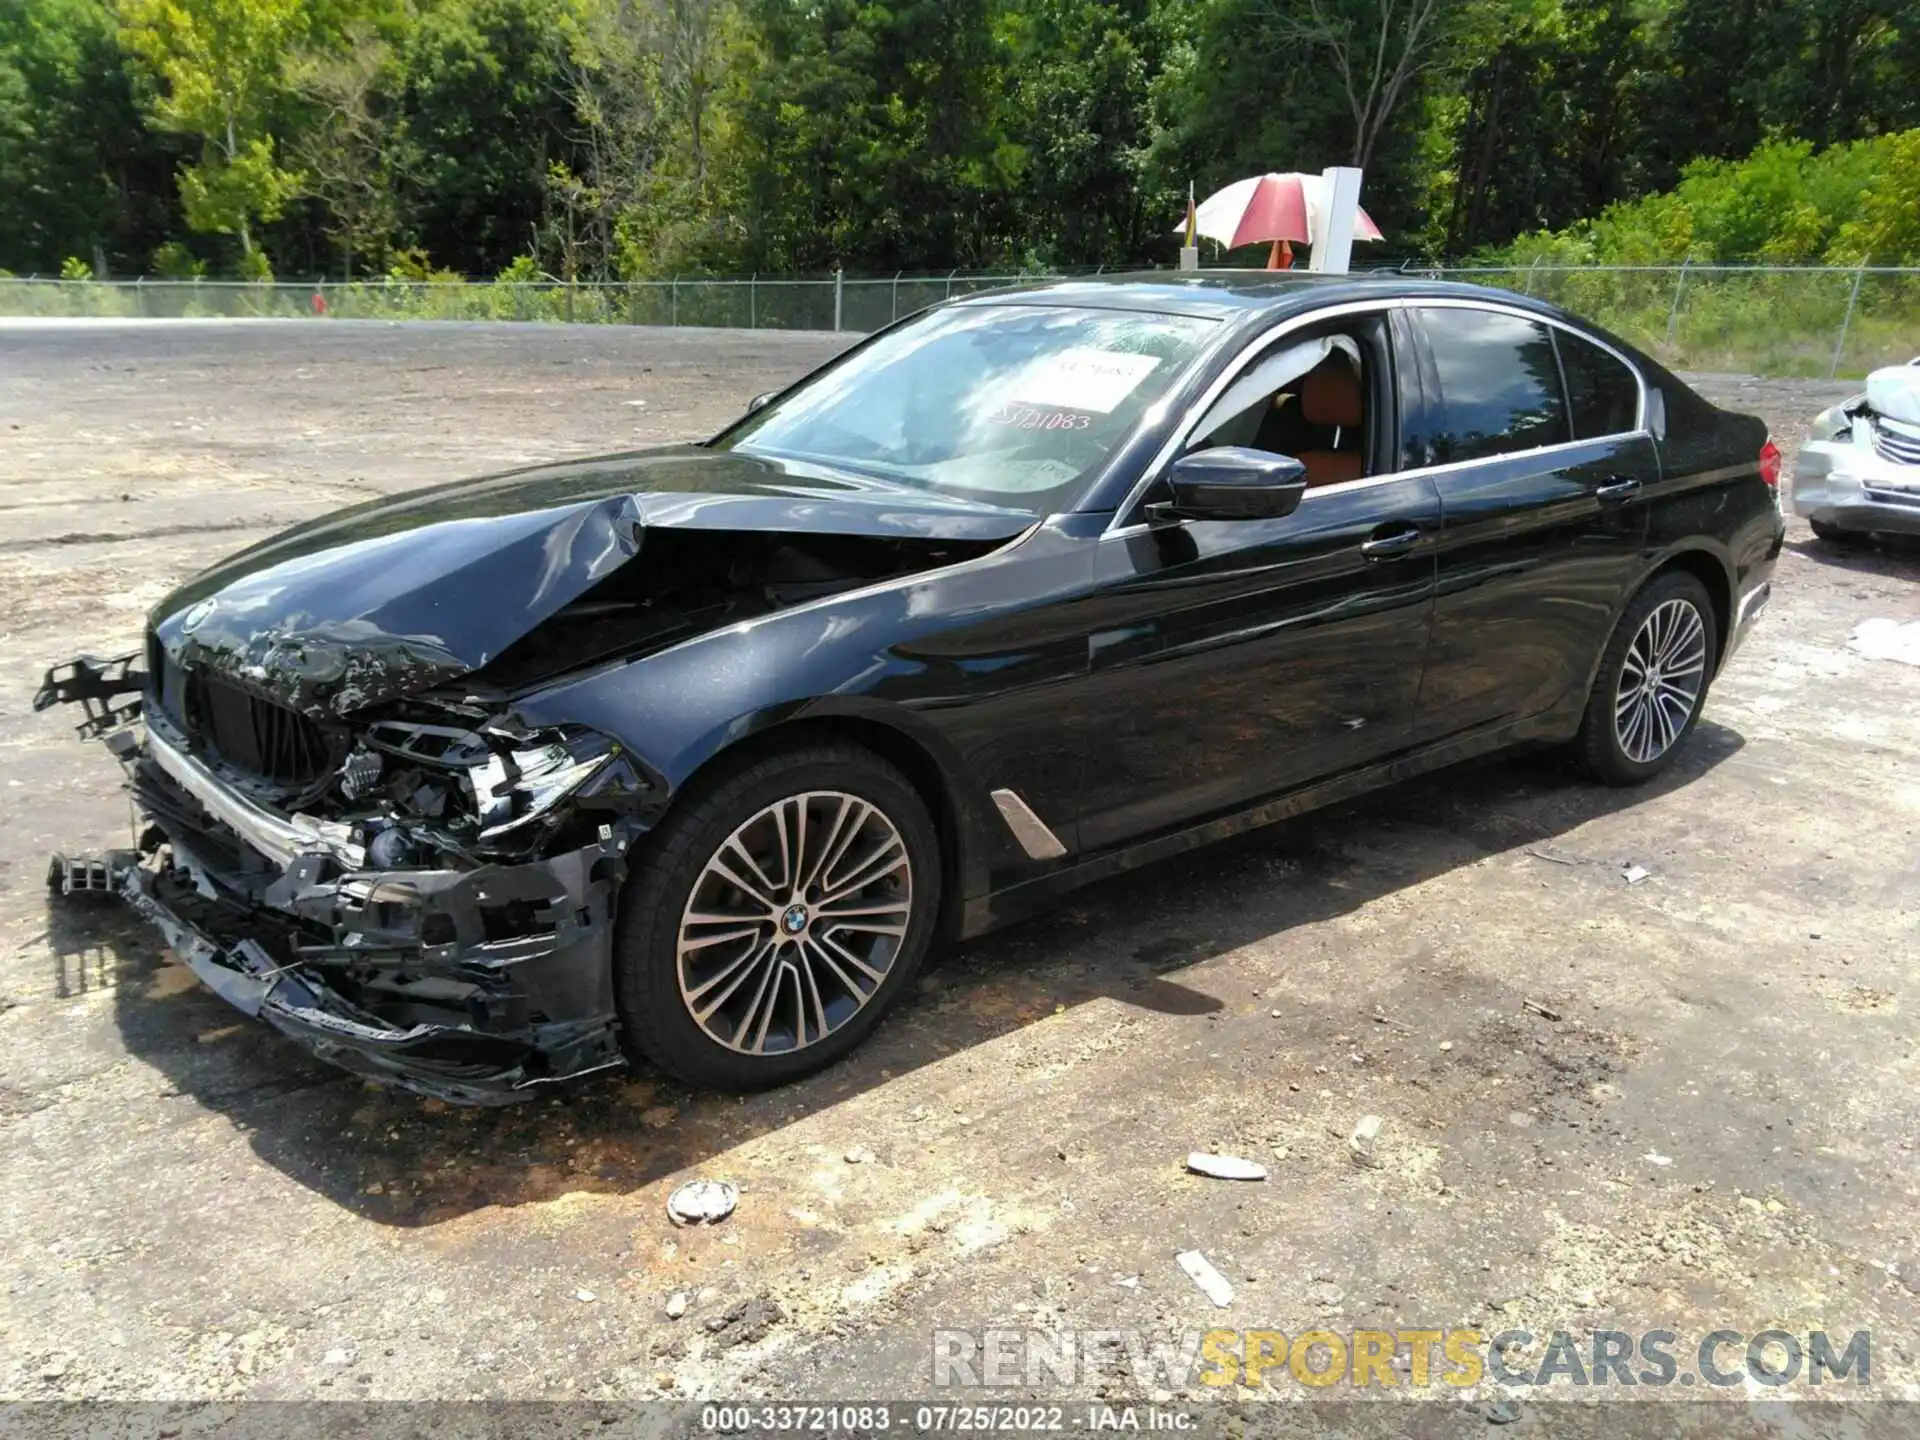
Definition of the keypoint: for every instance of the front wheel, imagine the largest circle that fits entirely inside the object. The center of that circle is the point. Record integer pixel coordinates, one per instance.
(1652, 682)
(770, 922)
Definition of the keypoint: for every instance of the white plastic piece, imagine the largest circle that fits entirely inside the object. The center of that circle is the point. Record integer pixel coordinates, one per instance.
(1211, 1282)
(702, 1202)
(1225, 1167)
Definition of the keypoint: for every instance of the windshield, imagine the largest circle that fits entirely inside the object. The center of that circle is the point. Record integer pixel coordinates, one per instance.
(1011, 404)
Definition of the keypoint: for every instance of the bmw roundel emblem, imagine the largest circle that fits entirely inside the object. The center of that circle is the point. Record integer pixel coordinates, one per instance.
(197, 616)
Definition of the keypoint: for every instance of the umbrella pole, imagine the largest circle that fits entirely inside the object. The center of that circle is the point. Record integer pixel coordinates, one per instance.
(1281, 256)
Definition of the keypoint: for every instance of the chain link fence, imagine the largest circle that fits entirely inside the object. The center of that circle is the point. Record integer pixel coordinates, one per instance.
(1787, 321)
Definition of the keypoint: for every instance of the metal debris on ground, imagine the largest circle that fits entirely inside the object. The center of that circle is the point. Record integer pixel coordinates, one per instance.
(1549, 855)
(702, 1202)
(1361, 1142)
(1225, 1167)
(1211, 1282)
(1634, 874)
(1502, 1411)
(1543, 1011)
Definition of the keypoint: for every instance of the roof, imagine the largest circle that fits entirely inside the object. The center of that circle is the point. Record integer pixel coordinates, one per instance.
(1230, 294)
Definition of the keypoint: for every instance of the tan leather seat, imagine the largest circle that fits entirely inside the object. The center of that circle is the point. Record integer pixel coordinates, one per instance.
(1331, 399)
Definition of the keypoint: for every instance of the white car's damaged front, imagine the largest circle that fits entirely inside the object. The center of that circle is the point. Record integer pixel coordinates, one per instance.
(1859, 471)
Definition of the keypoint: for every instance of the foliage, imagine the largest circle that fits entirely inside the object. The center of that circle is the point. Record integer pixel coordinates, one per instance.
(645, 138)
(1784, 204)
(219, 67)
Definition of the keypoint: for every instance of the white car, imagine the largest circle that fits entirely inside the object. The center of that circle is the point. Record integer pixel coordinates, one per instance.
(1860, 468)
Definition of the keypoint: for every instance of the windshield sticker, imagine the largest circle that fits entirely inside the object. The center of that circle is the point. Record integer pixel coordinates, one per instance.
(1085, 379)
(1030, 417)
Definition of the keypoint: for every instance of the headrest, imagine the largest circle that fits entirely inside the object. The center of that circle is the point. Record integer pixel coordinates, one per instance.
(1330, 395)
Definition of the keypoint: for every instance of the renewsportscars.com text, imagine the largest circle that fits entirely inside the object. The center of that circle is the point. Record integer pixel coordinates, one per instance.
(997, 1358)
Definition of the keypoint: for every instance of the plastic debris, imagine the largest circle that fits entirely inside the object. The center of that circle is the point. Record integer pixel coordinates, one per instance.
(1634, 874)
(1654, 1157)
(1211, 1282)
(1225, 1167)
(676, 1304)
(1887, 640)
(859, 1155)
(1361, 1142)
(702, 1202)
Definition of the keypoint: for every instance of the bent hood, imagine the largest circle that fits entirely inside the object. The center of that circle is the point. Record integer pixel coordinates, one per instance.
(392, 597)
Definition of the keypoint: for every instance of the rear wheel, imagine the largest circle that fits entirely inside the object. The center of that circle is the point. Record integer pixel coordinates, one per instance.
(1652, 682)
(770, 923)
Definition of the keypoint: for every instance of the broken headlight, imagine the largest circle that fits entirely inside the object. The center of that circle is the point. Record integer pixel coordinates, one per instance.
(517, 785)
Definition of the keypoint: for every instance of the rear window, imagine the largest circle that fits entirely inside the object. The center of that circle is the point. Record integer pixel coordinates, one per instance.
(1499, 384)
(1603, 394)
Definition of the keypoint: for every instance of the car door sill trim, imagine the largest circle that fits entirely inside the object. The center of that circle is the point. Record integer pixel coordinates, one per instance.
(988, 912)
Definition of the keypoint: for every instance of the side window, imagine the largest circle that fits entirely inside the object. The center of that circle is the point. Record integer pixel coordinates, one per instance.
(1500, 385)
(1318, 399)
(1603, 393)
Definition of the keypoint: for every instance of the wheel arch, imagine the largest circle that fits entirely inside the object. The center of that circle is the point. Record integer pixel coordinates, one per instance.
(1715, 573)
(1711, 569)
(909, 747)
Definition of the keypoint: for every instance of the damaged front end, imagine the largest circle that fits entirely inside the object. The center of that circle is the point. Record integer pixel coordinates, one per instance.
(1859, 470)
(434, 909)
(348, 826)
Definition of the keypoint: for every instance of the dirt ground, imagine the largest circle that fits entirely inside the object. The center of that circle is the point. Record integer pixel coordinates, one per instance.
(1688, 1103)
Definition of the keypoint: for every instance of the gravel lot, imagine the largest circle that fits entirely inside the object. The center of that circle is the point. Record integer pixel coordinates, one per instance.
(1705, 1119)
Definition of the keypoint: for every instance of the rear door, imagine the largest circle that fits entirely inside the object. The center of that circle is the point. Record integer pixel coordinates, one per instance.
(1543, 509)
(1232, 660)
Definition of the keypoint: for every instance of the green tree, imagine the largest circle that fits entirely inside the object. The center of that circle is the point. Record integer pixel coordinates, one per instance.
(219, 64)
(79, 171)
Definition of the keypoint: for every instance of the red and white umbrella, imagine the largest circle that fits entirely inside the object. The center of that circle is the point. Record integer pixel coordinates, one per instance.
(1273, 208)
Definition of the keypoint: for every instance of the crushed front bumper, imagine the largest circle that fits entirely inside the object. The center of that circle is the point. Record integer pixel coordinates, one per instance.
(1843, 483)
(477, 986)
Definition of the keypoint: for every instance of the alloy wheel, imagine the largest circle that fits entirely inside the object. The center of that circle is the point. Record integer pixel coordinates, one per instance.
(794, 922)
(1661, 678)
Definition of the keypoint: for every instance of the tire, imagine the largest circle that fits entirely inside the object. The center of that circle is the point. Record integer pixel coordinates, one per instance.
(1628, 738)
(1833, 534)
(783, 990)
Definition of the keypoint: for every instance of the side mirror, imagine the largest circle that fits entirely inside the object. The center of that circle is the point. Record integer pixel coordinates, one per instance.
(1232, 482)
(759, 402)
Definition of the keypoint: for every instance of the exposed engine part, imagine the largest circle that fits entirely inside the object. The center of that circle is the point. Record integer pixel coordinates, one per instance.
(443, 745)
(391, 849)
(691, 582)
(359, 772)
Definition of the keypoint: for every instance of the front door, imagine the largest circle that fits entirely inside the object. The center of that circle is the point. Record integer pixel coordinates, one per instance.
(1233, 660)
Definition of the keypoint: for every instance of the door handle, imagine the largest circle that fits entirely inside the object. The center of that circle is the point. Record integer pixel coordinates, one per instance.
(1617, 488)
(1393, 542)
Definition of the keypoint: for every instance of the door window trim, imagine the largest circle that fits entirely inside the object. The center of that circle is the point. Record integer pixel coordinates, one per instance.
(1197, 411)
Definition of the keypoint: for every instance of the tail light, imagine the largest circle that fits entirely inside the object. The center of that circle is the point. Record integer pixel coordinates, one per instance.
(1770, 465)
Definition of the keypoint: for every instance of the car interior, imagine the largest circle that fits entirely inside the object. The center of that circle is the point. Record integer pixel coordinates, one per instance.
(1321, 399)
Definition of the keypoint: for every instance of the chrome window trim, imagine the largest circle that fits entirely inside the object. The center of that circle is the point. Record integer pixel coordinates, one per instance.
(1385, 304)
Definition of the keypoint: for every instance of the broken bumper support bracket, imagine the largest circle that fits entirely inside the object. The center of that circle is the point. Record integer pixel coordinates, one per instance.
(95, 685)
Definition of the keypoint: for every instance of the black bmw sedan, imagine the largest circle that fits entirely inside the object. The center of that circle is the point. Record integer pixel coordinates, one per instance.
(687, 756)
